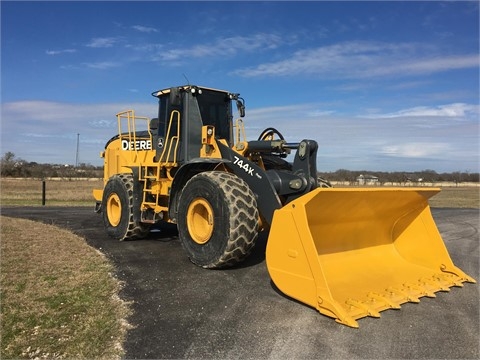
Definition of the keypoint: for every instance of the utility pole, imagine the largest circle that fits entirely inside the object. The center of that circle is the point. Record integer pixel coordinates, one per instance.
(76, 157)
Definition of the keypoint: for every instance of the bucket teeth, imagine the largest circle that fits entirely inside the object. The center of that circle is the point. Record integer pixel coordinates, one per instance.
(432, 284)
(422, 290)
(446, 281)
(394, 296)
(404, 294)
(370, 311)
(384, 301)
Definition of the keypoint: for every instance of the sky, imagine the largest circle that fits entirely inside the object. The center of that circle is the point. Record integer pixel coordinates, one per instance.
(381, 86)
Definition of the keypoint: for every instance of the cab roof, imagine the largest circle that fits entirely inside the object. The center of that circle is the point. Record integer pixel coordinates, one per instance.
(186, 88)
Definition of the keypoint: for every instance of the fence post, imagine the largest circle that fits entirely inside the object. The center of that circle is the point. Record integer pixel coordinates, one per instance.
(43, 192)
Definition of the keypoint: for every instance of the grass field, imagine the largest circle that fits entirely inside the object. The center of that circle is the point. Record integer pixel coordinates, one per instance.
(58, 192)
(59, 299)
(79, 193)
(457, 197)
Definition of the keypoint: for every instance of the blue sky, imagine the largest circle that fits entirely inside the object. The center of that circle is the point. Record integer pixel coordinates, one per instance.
(387, 86)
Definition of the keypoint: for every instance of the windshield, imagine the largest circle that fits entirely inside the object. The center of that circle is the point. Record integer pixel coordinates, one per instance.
(216, 109)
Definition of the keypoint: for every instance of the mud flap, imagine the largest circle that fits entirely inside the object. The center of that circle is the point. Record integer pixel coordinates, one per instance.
(352, 253)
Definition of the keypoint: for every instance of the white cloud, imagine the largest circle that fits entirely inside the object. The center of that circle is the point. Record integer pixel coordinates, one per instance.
(363, 59)
(102, 42)
(224, 46)
(145, 29)
(102, 65)
(45, 131)
(446, 139)
(58, 52)
(437, 63)
(14, 113)
(448, 110)
(103, 123)
(145, 47)
(416, 149)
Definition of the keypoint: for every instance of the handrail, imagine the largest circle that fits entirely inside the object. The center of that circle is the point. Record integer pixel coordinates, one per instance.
(170, 139)
(130, 117)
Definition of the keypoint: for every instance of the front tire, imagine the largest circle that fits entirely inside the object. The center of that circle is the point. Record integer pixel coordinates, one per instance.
(217, 219)
(118, 209)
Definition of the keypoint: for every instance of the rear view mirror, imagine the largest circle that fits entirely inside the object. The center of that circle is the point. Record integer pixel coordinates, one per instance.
(241, 108)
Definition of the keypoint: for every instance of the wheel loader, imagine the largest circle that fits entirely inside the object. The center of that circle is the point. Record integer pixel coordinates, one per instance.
(347, 252)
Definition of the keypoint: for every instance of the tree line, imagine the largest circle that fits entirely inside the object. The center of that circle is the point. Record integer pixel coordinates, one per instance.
(11, 166)
(401, 177)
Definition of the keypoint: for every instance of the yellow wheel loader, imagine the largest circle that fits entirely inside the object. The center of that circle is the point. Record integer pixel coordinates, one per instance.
(347, 252)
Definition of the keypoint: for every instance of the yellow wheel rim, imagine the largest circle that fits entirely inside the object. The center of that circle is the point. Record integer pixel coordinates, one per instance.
(114, 209)
(200, 220)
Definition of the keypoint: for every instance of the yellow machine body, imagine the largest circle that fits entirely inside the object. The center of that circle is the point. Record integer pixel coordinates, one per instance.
(353, 252)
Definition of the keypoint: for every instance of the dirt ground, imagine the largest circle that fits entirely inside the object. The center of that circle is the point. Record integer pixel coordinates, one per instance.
(182, 311)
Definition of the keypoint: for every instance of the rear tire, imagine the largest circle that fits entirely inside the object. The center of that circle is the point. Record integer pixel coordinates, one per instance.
(217, 219)
(118, 210)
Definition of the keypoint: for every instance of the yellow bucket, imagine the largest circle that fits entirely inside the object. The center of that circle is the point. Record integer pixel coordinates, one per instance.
(353, 252)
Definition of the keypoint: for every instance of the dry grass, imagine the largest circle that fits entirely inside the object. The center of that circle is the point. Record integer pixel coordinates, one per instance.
(449, 197)
(58, 192)
(79, 193)
(59, 299)
(457, 197)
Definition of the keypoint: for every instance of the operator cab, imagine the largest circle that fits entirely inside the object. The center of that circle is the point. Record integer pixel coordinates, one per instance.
(185, 110)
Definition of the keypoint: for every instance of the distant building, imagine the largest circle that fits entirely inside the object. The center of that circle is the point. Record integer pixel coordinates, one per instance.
(367, 180)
